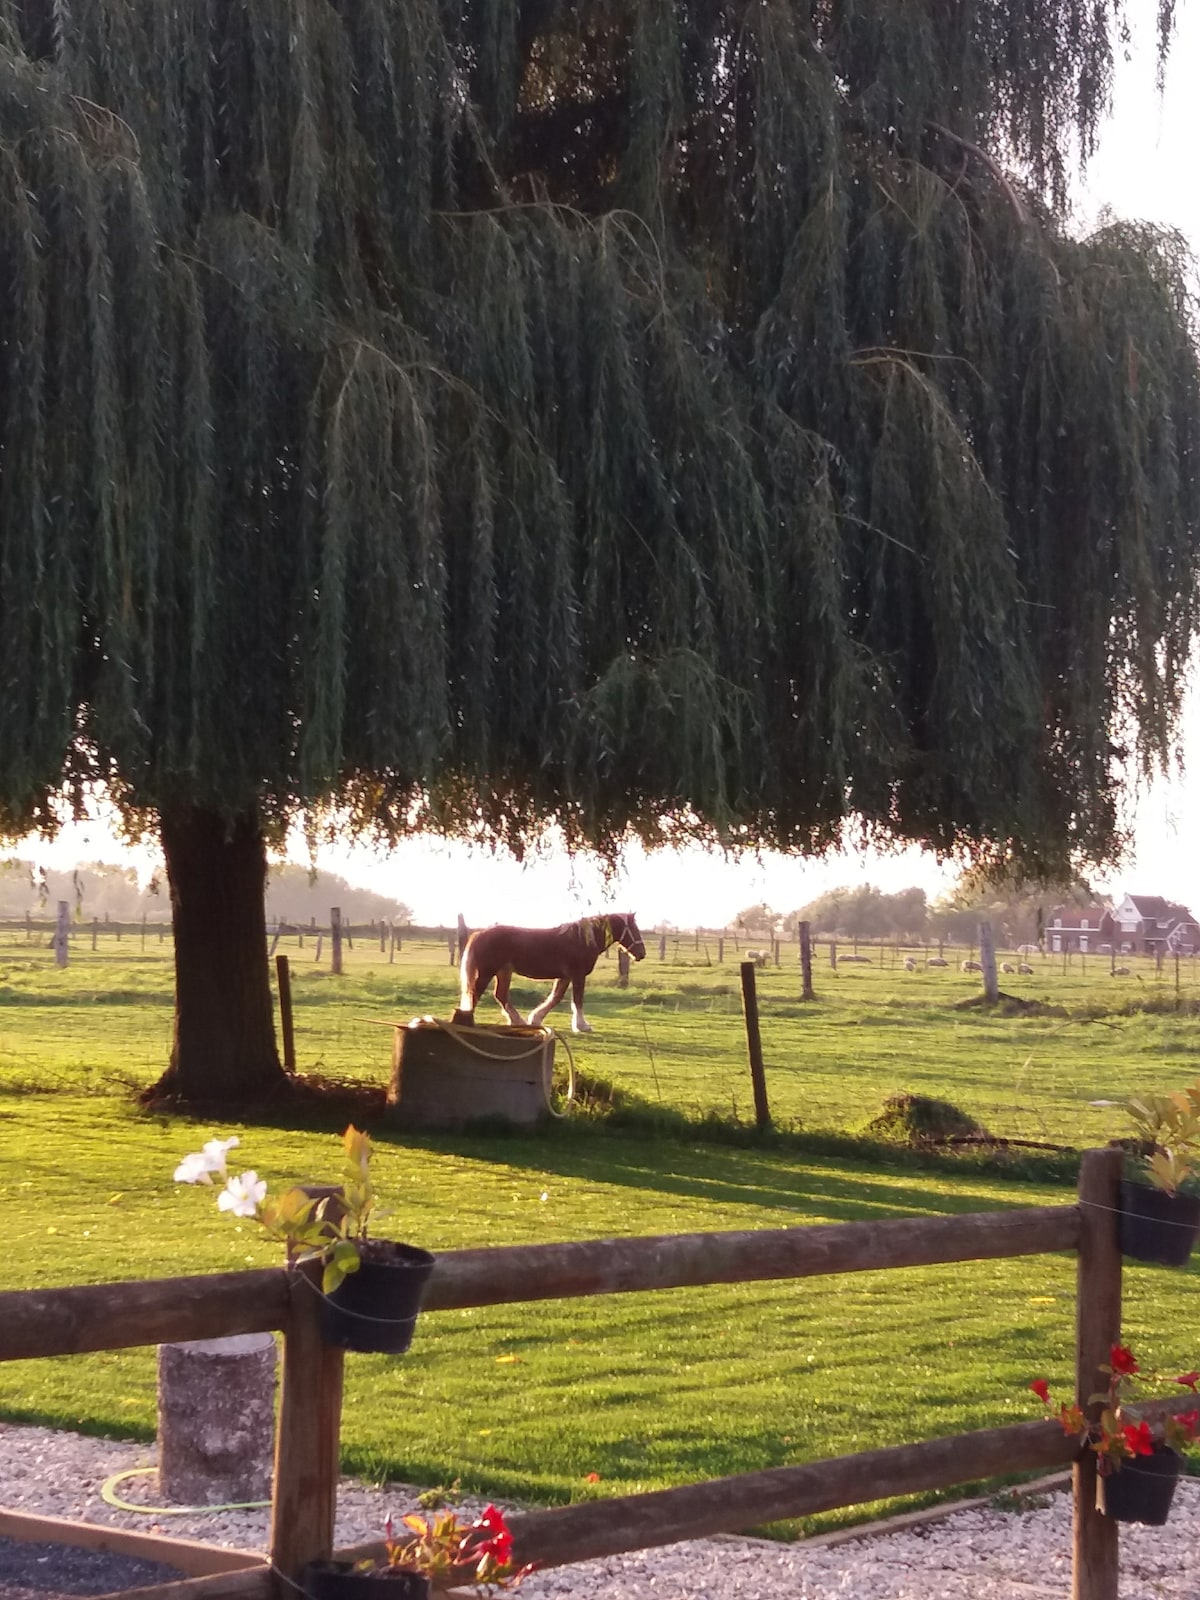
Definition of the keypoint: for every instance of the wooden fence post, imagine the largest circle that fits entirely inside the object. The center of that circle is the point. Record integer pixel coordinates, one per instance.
(383, 942)
(62, 938)
(306, 1443)
(335, 940)
(806, 983)
(95, 930)
(622, 967)
(987, 960)
(662, 947)
(284, 975)
(274, 941)
(320, 942)
(1094, 1563)
(833, 954)
(762, 1114)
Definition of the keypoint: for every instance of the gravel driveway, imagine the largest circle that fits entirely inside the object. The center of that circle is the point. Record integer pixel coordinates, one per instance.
(983, 1553)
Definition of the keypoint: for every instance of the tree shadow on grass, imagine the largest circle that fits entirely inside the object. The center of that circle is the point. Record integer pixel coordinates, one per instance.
(832, 1178)
(821, 1189)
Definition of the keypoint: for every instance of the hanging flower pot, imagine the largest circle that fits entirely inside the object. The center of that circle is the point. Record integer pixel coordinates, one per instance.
(1155, 1226)
(340, 1580)
(1141, 1490)
(370, 1288)
(375, 1308)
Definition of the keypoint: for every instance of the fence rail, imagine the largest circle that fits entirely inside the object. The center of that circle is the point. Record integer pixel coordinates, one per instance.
(52, 1322)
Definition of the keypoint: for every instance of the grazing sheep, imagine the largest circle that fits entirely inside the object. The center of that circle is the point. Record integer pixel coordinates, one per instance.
(760, 958)
(971, 966)
(1007, 966)
(861, 961)
(1120, 972)
(1025, 970)
(909, 964)
(936, 961)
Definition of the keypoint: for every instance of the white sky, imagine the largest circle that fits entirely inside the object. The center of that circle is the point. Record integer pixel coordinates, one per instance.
(1145, 168)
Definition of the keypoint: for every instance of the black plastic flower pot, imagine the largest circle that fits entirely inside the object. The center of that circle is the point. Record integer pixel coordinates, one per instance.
(1141, 1490)
(1156, 1226)
(375, 1308)
(337, 1580)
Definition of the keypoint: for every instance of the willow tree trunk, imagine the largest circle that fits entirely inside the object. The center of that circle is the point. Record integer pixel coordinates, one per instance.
(224, 1047)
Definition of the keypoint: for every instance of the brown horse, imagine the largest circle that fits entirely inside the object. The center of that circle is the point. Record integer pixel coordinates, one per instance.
(566, 953)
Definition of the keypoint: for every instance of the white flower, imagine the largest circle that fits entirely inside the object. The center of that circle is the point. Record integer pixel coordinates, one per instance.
(201, 1165)
(243, 1195)
(193, 1169)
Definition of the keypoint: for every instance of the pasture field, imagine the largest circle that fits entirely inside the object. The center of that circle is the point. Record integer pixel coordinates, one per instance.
(675, 1037)
(644, 1390)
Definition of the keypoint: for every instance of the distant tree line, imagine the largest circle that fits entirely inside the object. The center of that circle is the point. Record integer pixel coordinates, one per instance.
(95, 889)
(1017, 910)
(294, 894)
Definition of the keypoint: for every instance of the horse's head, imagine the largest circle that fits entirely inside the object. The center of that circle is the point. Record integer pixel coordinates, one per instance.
(625, 933)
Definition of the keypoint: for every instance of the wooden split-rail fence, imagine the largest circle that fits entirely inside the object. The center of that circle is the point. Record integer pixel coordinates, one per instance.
(66, 1321)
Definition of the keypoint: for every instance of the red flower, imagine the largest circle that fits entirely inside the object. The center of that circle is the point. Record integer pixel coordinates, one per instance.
(1122, 1361)
(592, 1477)
(1137, 1438)
(1188, 1379)
(1189, 1420)
(499, 1546)
(1042, 1389)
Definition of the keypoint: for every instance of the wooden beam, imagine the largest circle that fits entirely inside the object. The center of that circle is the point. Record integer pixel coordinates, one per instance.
(502, 1275)
(304, 1503)
(252, 1583)
(1094, 1562)
(599, 1528)
(187, 1555)
(113, 1316)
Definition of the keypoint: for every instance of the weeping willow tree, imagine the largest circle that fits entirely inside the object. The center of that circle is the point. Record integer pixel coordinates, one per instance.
(640, 415)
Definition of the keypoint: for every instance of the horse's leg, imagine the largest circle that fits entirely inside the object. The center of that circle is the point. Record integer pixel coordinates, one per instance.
(539, 1013)
(579, 1023)
(503, 979)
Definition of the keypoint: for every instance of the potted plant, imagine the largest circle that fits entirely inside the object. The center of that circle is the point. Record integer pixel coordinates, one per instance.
(1160, 1218)
(1137, 1471)
(438, 1548)
(371, 1288)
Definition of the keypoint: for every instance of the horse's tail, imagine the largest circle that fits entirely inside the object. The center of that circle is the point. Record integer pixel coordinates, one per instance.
(468, 972)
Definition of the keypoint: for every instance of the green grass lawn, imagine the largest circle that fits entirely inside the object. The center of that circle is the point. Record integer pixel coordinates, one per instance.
(645, 1390)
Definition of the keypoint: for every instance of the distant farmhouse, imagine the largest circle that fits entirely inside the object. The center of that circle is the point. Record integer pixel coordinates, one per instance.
(1144, 924)
(1139, 924)
(1084, 928)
